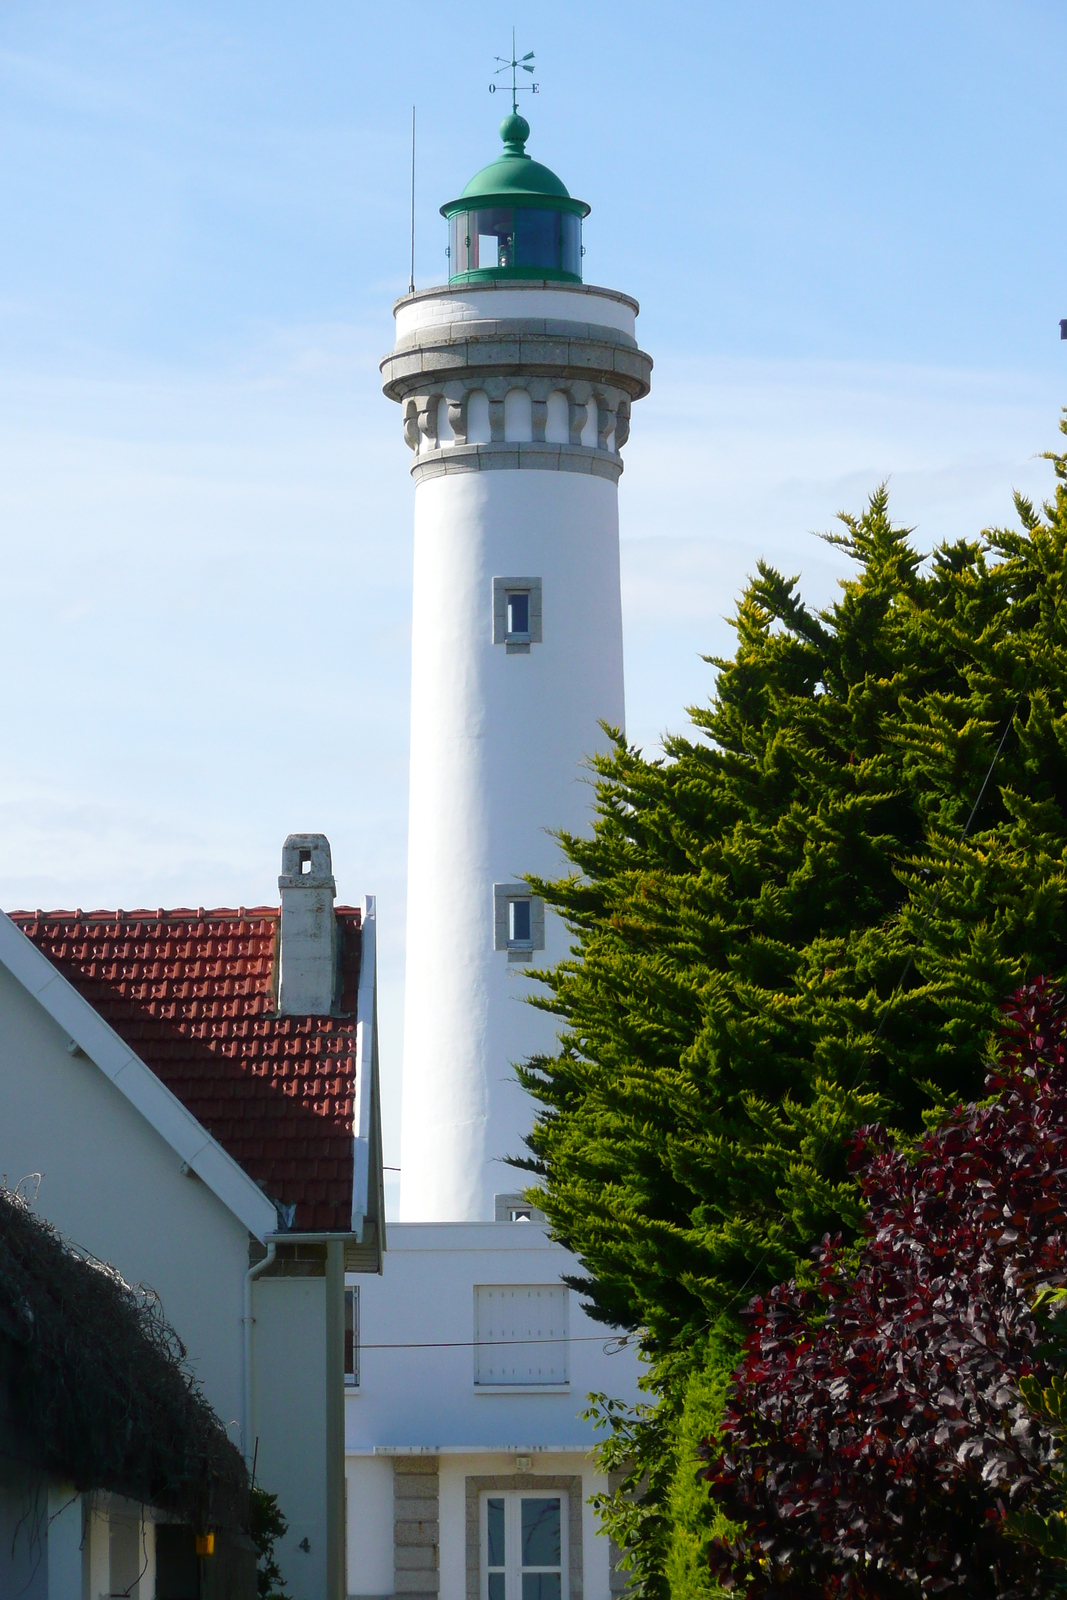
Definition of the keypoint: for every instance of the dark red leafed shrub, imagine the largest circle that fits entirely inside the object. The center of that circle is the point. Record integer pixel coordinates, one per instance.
(875, 1440)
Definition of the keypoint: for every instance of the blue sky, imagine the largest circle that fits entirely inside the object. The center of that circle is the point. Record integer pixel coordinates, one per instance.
(845, 225)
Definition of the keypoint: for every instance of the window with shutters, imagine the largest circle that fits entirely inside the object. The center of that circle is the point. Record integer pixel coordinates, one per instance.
(520, 1335)
(523, 1546)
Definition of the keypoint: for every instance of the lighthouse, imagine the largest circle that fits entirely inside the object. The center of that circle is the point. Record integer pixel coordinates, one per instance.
(469, 1449)
(515, 383)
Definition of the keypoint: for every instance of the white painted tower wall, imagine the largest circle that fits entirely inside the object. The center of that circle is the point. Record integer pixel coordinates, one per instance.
(516, 400)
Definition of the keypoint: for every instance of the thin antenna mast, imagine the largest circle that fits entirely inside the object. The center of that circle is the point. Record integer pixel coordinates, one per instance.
(411, 280)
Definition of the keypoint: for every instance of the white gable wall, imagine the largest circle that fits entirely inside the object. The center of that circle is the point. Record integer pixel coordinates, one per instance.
(113, 1186)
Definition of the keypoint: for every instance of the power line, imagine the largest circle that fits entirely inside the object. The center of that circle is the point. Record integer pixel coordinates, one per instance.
(619, 1340)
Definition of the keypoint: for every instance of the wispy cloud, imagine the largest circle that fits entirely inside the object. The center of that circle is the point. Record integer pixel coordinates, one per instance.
(732, 461)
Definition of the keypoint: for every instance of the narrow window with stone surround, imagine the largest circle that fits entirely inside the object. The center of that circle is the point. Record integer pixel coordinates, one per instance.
(517, 614)
(352, 1337)
(515, 1208)
(518, 921)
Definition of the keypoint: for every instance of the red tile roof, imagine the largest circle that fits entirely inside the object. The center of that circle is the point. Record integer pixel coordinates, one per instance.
(193, 993)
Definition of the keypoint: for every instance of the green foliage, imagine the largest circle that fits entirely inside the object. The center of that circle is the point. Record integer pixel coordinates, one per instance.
(780, 936)
(657, 1510)
(693, 1520)
(1048, 1402)
(266, 1525)
(98, 1380)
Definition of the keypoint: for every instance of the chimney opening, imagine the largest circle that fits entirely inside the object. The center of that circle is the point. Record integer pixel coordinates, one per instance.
(305, 862)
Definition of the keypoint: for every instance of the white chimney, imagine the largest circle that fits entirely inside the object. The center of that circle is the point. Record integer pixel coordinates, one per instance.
(307, 959)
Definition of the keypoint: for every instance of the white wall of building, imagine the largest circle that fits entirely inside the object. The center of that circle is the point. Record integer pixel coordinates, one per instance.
(421, 1391)
(417, 1394)
(288, 1417)
(58, 1543)
(369, 1514)
(113, 1186)
(498, 750)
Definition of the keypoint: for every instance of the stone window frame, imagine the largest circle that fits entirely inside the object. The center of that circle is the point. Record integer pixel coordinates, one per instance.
(526, 1483)
(502, 587)
(503, 894)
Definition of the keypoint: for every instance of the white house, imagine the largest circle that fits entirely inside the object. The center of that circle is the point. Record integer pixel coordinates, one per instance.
(196, 1093)
(474, 1368)
(515, 382)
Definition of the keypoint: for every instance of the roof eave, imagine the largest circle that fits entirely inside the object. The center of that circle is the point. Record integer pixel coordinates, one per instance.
(135, 1081)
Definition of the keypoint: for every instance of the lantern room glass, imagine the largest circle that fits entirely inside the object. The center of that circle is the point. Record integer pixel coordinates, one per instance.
(526, 237)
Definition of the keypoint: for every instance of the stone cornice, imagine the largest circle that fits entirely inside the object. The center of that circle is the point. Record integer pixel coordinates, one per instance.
(516, 347)
(439, 369)
(512, 457)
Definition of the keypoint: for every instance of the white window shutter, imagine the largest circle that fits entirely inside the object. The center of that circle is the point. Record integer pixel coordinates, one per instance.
(521, 1334)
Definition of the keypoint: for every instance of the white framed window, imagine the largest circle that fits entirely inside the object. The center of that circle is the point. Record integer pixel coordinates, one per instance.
(520, 924)
(521, 1335)
(518, 921)
(517, 614)
(523, 1544)
(352, 1337)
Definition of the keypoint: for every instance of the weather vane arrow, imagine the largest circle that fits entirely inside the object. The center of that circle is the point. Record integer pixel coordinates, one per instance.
(515, 66)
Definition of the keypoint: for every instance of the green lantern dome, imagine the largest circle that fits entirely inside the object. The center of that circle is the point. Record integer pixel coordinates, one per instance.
(515, 219)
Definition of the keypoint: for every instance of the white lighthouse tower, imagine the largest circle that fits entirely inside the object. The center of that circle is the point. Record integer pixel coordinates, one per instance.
(469, 1456)
(515, 382)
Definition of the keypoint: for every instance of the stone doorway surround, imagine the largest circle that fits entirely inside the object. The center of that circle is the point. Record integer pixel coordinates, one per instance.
(530, 1483)
(416, 1526)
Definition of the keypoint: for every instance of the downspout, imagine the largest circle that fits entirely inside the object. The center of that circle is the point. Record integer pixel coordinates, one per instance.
(336, 1584)
(247, 1321)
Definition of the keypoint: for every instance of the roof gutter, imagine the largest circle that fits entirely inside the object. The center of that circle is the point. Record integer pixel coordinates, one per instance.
(247, 1323)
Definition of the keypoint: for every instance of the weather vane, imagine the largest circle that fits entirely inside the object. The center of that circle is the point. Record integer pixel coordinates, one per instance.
(513, 66)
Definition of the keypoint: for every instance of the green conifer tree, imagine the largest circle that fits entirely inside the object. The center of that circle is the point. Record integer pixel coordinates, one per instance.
(789, 926)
